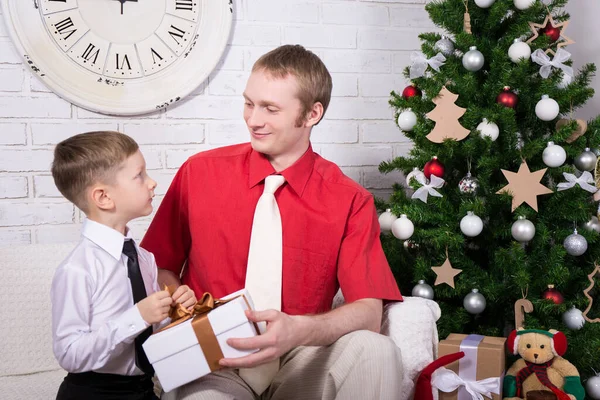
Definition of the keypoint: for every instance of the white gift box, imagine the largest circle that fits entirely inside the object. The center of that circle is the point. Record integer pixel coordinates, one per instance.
(178, 358)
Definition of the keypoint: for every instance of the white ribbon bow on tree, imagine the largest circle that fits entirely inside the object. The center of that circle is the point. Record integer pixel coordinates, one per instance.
(420, 62)
(448, 381)
(539, 57)
(585, 181)
(427, 188)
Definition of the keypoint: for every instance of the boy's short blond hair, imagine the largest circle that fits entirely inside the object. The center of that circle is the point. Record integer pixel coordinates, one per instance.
(85, 159)
(313, 78)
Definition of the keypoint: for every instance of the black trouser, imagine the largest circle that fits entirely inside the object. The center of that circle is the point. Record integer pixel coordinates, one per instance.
(97, 386)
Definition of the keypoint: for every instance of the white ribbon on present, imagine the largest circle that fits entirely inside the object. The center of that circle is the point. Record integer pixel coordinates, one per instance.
(541, 58)
(420, 63)
(583, 181)
(427, 188)
(448, 381)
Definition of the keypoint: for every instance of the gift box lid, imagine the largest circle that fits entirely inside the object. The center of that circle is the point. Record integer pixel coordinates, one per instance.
(165, 343)
(488, 342)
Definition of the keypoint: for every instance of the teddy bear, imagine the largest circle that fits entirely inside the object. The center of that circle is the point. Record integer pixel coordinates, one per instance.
(541, 372)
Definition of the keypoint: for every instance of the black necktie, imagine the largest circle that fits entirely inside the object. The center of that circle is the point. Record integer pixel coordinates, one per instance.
(139, 293)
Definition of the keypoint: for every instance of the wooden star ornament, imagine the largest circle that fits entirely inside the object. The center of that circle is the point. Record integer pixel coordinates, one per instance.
(524, 186)
(549, 21)
(445, 273)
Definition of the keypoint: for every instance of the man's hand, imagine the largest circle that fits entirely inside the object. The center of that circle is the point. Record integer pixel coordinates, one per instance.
(284, 332)
(185, 296)
(155, 307)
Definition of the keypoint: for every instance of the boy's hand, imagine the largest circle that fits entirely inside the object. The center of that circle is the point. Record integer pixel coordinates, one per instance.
(155, 307)
(185, 296)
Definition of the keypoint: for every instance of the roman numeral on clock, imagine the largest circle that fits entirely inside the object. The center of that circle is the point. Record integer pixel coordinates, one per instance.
(124, 61)
(175, 33)
(154, 55)
(89, 53)
(64, 27)
(183, 5)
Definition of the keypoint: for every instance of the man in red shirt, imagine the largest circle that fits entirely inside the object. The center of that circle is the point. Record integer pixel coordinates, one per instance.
(330, 241)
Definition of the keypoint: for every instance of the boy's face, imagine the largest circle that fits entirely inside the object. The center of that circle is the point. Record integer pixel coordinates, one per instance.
(271, 110)
(133, 189)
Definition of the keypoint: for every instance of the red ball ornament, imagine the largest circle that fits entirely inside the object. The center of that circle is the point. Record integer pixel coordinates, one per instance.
(552, 32)
(507, 98)
(552, 294)
(411, 91)
(433, 167)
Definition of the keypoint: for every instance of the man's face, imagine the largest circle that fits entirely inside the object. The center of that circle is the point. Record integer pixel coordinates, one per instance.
(271, 112)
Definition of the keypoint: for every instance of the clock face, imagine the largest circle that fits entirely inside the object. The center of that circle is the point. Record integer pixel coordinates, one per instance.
(120, 57)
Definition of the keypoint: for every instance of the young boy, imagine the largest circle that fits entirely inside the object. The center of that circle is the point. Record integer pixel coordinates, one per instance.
(105, 297)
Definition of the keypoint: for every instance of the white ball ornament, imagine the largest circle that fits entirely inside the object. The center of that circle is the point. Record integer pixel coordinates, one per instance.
(547, 108)
(415, 173)
(484, 3)
(523, 4)
(565, 81)
(386, 219)
(403, 228)
(573, 319)
(518, 51)
(489, 129)
(554, 155)
(471, 225)
(407, 120)
(592, 387)
(523, 230)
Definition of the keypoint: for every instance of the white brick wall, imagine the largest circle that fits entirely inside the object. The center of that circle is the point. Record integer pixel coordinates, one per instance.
(365, 44)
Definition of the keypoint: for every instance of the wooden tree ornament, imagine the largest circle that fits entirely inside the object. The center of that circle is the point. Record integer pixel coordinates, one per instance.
(446, 115)
(586, 292)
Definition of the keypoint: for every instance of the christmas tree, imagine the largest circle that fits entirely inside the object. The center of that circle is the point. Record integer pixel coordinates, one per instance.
(507, 209)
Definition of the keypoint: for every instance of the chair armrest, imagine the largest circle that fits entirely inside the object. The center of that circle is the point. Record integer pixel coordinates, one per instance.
(411, 324)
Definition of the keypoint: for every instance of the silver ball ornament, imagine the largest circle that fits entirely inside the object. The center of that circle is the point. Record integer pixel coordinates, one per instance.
(468, 184)
(473, 59)
(575, 244)
(523, 230)
(423, 290)
(554, 155)
(586, 161)
(592, 387)
(445, 46)
(592, 225)
(573, 318)
(474, 302)
(386, 219)
(518, 51)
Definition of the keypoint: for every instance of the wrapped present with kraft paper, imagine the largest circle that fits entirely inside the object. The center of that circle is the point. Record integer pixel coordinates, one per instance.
(475, 376)
(194, 342)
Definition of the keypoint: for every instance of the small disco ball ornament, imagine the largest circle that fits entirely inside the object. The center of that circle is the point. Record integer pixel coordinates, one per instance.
(444, 46)
(474, 302)
(592, 387)
(575, 244)
(403, 228)
(518, 51)
(468, 184)
(410, 245)
(554, 155)
(473, 59)
(552, 294)
(523, 230)
(407, 120)
(423, 290)
(488, 129)
(573, 318)
(547, 109)
(386, 219)
(586, 161)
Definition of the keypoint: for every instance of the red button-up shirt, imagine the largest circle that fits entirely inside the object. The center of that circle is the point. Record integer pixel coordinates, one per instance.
(329, 224)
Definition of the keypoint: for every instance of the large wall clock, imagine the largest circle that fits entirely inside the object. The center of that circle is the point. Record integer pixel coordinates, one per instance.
(120, 57)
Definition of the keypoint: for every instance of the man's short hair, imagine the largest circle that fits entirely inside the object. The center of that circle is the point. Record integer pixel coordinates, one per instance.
(313, 78)
(85, 159)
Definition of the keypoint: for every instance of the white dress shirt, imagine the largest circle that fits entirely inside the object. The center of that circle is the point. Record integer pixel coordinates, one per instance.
(94, 320)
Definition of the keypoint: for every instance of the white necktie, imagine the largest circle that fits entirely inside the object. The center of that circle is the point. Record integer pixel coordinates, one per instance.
(263, 275)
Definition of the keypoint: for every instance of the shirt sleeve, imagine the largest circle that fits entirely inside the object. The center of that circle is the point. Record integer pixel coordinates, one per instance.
(363, 270)
(168, 236)
(76, 347)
